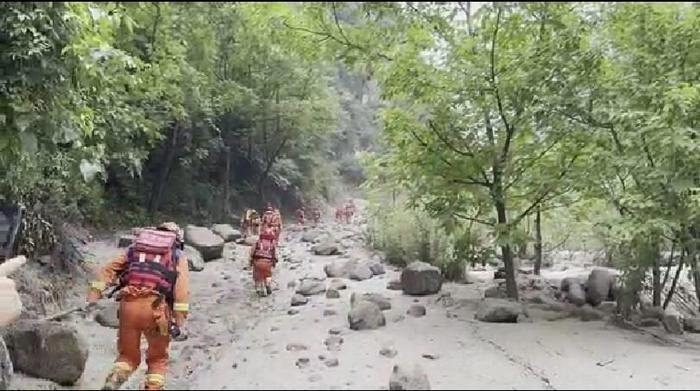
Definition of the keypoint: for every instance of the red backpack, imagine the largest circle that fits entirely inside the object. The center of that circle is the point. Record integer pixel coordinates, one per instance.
(264, 248)
(152, 261)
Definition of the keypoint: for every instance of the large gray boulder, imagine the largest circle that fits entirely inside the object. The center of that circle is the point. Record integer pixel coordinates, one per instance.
(691, 325)
(498, 311)
(209, 244)
(365, 315)
(47, 350)
(6, 370)
(672, 324)
(108, 315)
(194, 259)
(382, 302)
(326, 248)
(402, 379)
(310, 236)
(420, 278)
(598, 287)
(360, 273)
(310, 287)
(227, 232)
(576, 294)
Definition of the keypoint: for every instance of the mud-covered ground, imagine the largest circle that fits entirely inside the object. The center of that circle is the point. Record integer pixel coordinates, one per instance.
(238, 340)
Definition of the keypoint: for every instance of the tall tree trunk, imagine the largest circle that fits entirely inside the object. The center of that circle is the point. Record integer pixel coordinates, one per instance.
(226, 207)
(668, 265)
(656, 282)
(669, 296)
(506, 251)
(538, 241)
(161, 181)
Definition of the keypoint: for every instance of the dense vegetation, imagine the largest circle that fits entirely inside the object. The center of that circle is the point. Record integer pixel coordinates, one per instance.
(500, 124)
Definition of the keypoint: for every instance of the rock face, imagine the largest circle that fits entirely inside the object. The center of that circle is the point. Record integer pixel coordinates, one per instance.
(227, 232)
(194, 259)
(393, 285)
(672, 324)
(401, 379)
(298, 300)
(598, 287)
(310, 287)
(498, 311)
(366, 316)
(382, 302)
(6, 370)
(377, 268)
(210, 245)
(416, 310)
(47, 350)
(360, 273)
(420, 278)
(691, 325)
(325, 248)
(108, 316)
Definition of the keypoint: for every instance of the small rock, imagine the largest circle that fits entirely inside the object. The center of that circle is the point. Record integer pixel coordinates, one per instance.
(338, 285)
(326, 248)
(108, 316)
(215, 285)
(366, 316)
(430, 356)
(402, 379)
(333, 343)
(398, 318)
(291, 284)
(332, 294)
(388, 352)
(310, 287)
(335, 331)
(293, 311)
(295, 347)
(672, 324)
(331, 362)
(360, 273)
(377, 268)
(329, 312)
(302, 362)
(314, 378)
(382, 302)
(298, 300)
(393, 285)
(273, 328)
(416, 310)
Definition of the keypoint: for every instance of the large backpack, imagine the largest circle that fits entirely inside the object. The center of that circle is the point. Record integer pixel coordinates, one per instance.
(152, 262)
(264, 248)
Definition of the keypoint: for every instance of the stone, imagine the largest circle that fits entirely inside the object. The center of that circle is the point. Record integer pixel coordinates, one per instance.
(227, 232)
(377, 268)
(335, 331)
(430, 356)
(333, 343)
(310, 287)
(398, 318)
(393, 285)
(498, 311)
(47, 350)
(108, 316)
(653, 312)
(293, 311)
(296, 347)
(496, 291)
(416, 310)
(672, 324)
(388, 352)
(125, 240)
(567, 282)
(325, 248)
(329, 312)
(303, 362)
(360, 273)
(691, 325)
(291, 284)
(331, 362)
(6, 369)
(649, 322)
(366, 315)
(600, 281)
(382, 302)
(310, 236)
(576, 295)
(332, 294)
(420, 278)
(402, 379)
(298, 300)
(210, 245)
(338, 285)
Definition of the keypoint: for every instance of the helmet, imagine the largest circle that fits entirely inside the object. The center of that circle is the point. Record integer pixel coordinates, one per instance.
(267, 234)
(172, 227)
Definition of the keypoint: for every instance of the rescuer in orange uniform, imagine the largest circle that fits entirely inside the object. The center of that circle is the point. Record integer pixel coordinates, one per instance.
(300, 216)
(152, 278)
(263, 258)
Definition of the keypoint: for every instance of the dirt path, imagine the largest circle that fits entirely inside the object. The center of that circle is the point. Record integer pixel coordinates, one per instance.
(238, 340)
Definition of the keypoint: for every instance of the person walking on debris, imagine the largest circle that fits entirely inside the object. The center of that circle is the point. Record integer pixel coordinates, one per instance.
(152, 284)
(349, 211)
(339, 213)
(316, 215)
(300, 216)
(250, 224)
(263, 258)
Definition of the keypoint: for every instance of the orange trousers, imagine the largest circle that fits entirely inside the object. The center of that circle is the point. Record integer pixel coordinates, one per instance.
(137, 317)
(262, 269)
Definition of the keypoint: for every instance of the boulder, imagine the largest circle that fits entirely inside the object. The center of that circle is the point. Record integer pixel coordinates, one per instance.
(672, 324)
(649, 312)
(691, 325)
(366, 315)
(568, 281)
(498, 311)
(402, 379)
(598, 287)
(333, 343)
(310, 236)
(338, 269)
(194, 259)
(496, 291)
(338, 285)
(325, 248)
(420, 278)
(108, 316)
(310, 287)
(47, 350)
(416, 310)
(388, 352)
(6, 370)
(394, 285)
(227, 232)
(332, 294)
(210, 245)
(382, 302)
(298, 300)
(377, 268)
(360, 273)
(125, 240)
(576, 295)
